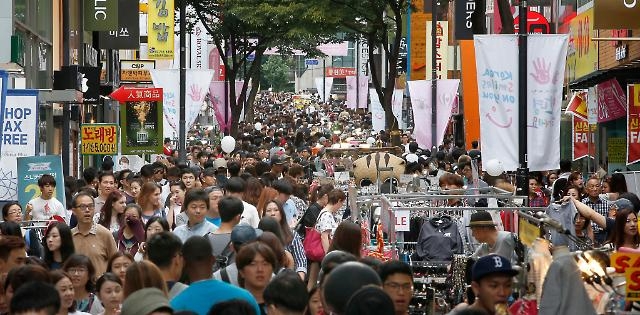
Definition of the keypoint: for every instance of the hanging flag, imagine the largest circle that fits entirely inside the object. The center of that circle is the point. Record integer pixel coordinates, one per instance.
(326, 87)
(611, 100)
(633, 124)
(497, 69)
(353, 100)
(420, 94)
(377, 112)
(583, 138)
(196, 90)
(160, 29)
(578, 105)
(218, 99)
(544, 98)
(396, 106)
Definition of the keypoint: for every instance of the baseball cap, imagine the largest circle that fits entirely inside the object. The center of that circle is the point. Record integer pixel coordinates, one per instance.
(145, 301)
(481, 218)
(243, 233)
(219, 163)
(322, 139)
(278, 159)
(492, 264)
(622, 203)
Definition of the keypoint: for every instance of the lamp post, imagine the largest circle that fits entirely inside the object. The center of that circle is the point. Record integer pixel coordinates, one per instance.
(522, 173)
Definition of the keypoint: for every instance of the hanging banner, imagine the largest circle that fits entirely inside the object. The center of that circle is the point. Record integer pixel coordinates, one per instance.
(497, 69)
(3, 94)
(199, 47)
(326, 87)
(354, 100)
(141, 122)
(633, 124)
(578, 105)
(418, 43)
(377, 112)
(442, 50)
(363, 52)
(19, 137)
(31, 168)
(196, 87)
(100, 139)
(464, 11)
(592, 105)
(100, 15)
(396, 106)
(127, 35)
(583, 52)
(160, 29)
(544, 99)
(420, 94)
(583, 138)
(611, 101)
(471, 110)
(218, 99)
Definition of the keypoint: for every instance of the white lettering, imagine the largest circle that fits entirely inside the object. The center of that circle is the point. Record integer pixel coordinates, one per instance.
(497, 261)
(100, 9)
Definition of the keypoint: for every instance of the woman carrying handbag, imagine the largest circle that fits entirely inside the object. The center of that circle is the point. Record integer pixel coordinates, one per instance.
(318, 239)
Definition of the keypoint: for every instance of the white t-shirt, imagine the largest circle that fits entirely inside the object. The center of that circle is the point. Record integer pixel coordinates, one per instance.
(45, 209)
(250, 215)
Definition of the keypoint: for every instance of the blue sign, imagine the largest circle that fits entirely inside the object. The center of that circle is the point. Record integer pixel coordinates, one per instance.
(311, 62)
(251, 57)
(31, 168)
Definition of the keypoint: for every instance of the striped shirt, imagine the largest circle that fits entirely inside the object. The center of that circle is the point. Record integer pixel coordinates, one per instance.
(297, 251)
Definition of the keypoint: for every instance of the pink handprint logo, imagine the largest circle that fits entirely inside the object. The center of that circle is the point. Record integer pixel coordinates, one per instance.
(541, 71)
(195, 93)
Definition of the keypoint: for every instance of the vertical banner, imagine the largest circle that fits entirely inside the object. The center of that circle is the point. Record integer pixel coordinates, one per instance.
(592, 105)
(363, 52)
(100, 15)
(544, 99)
(471, 111)
(633, 124)
(611, 100)
(497, 70)
(326, 87)
(442, 50)
(160, 29)
(199, 47)
(583, 138)
(31, 168)
(418, 42)
(396, 106)
(353, 99)
(420, 94)
(19, 137)
(127, 35)
(3, 94)
(218, 100)
(198, 81)
(377, 112)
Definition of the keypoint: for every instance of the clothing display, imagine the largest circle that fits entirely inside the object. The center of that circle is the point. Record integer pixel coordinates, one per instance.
(565, 214)
(439, 240)
(539, 262)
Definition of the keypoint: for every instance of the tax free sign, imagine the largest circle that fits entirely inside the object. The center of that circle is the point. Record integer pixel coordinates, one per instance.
(18, 136)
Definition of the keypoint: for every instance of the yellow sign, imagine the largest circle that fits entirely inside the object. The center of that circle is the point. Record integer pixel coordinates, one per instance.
(582, 56)
(527, 232)
(617, 150)
(99, 139)
(136, 71)
(635, 98)
(160, 29)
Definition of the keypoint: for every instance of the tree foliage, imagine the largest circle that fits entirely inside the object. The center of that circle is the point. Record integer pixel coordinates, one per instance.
(276, 73)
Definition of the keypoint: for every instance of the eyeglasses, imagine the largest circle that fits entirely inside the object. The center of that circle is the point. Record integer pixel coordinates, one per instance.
(77, 270)
(14, 212)
(85, 207)
(399, 287)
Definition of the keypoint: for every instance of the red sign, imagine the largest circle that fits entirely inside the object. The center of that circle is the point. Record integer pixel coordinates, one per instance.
(578, 104)
(123, 94)
(340, 72)
(633, 124)
(536, 23)
(612, 101)
(583, 138)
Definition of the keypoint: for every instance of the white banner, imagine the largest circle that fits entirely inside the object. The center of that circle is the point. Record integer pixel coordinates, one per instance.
(326, 87)
(199, 47)
(19, 134)
(420, 94)
(353, 100)
(592, 105)
(547, 56)
(377, 112)
(396, 107)
(497, 68)
(442, 49)
(363, 65)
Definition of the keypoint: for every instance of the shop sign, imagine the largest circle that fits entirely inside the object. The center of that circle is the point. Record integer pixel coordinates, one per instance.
(536, 23)
(465, 10)
(340, 72)
(629, 264)
(612, 101)
(442, 50)
(418, 41)
(100, 15)
(615, 14)
(621, 52)
(633, 124)
(403, 218)
(99, 139)
(161, 29)
(583, 138)
(582, 58)
(136, 71)
(127, 34)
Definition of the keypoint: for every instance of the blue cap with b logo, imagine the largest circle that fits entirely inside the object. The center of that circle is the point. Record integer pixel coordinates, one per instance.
(492, 264)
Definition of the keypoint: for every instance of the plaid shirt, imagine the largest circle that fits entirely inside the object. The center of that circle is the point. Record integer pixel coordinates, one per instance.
(600, 206)
(539, 199)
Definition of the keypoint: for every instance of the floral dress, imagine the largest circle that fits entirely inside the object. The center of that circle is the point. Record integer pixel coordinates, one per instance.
(326, 221)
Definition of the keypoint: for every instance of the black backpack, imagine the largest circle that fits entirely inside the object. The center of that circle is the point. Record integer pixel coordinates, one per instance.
(224, 258)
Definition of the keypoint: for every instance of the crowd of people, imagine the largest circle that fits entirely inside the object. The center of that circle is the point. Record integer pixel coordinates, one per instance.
(229, 232)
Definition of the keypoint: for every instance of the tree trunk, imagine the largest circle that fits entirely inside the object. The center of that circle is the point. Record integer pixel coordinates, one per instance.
(249, 108)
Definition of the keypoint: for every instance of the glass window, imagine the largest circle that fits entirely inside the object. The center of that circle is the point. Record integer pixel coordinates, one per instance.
(44, 18)
(21, 10)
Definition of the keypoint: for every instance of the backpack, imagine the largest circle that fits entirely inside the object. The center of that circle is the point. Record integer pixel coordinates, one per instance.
(224, 258)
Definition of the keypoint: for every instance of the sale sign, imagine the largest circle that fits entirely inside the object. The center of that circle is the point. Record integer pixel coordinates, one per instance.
(632, 276)
(99, 139)
(633, 124)
(583, 138)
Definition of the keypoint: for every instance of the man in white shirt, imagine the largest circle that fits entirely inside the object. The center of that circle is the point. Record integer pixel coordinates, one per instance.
(46, 205)
(106, 184)
(235, 187)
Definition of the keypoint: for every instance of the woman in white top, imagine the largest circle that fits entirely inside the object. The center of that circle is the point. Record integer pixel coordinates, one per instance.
(175, 217)
(109, 289)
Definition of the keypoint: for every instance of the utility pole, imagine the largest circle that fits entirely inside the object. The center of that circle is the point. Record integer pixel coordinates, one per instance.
(182, 140)
(522, 173)
(434, 74)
